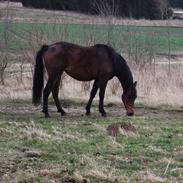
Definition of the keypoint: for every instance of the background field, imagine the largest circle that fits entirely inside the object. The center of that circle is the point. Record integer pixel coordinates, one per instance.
(76, 147)
(77, 33)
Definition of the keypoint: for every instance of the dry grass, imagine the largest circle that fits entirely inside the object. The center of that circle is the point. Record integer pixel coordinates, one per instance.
(163, 88)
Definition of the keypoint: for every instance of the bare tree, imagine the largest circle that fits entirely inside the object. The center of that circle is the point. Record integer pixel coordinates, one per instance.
(109, 10)
(3, 65)
(163, 8)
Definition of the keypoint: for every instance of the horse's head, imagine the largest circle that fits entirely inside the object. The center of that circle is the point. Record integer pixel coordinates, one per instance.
(129, 97)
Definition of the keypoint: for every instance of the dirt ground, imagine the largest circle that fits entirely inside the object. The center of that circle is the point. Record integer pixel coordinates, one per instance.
(77, 109)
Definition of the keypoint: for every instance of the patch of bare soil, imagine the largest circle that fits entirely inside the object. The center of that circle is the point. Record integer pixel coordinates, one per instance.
(123, 128)
(32, 153)
(151, 178)
(52, 172)
(18, 110)
(74, 110)
(3, 131)
(73, 180)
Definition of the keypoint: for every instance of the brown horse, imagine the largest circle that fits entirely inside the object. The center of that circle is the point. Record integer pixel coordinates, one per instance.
(99, 63)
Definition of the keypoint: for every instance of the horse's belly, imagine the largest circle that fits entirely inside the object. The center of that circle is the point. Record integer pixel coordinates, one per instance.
(81, 75)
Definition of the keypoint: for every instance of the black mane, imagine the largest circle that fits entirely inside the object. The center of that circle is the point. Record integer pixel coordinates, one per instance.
(123, 72)
(110, 51)
(121, 69)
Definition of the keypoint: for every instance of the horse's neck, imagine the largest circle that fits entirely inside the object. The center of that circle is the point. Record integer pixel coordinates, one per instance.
(124, 74)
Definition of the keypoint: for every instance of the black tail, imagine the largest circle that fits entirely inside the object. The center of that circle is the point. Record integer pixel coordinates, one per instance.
(38, 78)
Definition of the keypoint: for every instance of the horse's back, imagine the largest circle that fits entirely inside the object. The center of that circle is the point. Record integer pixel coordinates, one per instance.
(81, 63)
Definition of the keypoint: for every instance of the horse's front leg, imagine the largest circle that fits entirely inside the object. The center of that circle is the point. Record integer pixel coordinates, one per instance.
(101, 98)
(92, 96)
(55, 91)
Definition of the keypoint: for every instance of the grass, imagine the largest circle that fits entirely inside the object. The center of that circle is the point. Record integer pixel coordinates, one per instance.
(77, 33)
(79, 147)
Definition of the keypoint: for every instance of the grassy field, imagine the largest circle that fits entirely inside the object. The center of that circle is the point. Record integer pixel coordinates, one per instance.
(26, 23)
(20, 35)
(77, 148)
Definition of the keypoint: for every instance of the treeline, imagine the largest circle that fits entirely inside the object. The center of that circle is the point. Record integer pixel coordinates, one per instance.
(176, 3)
(149, 9)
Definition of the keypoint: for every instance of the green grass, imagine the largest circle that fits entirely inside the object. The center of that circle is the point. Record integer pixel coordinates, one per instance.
(80, 33)
(79, 147)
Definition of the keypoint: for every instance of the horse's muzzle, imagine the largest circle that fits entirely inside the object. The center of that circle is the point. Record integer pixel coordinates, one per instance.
(130, 113)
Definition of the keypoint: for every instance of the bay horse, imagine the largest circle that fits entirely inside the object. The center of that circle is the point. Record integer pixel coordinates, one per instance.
(99, 63)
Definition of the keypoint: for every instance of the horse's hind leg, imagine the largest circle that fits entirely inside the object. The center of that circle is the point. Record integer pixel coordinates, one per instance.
(92, 95)
(55, 91)
(46, 92)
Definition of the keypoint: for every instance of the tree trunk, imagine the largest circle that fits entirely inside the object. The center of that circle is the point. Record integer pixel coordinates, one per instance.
(2, 77)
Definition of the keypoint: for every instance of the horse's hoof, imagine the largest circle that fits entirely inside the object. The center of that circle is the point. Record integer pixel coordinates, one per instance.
(104, 115)
(47, 116)
(88, 113)
(63, 113)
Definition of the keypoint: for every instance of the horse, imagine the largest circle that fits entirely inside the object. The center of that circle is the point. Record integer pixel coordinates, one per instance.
(99, 63)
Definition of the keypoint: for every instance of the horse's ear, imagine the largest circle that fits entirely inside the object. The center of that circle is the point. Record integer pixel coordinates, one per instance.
(135, 84)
